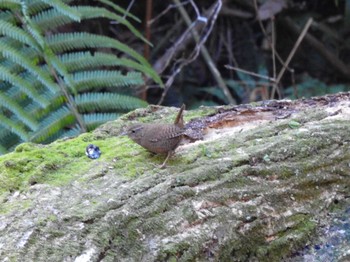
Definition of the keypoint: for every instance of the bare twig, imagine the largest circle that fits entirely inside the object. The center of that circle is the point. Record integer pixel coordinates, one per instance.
(291, 54)
(204, 51)
(273, 50)
(129, 7)
(273, 55)
(163, 62)
(166, 10)
(320, 47)
(267, 37)
(127, 10)
(148, 17)
(200, 40)
(250, 73)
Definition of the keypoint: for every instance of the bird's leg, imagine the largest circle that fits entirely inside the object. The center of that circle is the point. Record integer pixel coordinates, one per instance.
(166, 159)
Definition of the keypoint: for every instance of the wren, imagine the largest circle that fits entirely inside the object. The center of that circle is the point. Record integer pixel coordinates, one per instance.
(159, 138)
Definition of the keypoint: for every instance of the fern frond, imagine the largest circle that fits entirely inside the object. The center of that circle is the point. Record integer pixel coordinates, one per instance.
(36, 6)
(94, 12)
(27, 51)
(120, 9)
(17, 57)
(8, 140)
(38, 65)
(14, 107)
(6, 75)
(10, 4)
(88, 80)
(10, 30)
(7, 15)
(15, 127)
(99, 102)
(65, 42)
(55, 63)
(3, 150)
(64, 9)
(94, 120)
(52, 124)
(74, 131)
(76, 61)
(52, 18)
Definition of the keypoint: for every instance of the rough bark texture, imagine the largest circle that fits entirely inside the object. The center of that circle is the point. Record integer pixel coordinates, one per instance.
(256, 188)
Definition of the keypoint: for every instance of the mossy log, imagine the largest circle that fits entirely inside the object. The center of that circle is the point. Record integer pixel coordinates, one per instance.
(255, 185)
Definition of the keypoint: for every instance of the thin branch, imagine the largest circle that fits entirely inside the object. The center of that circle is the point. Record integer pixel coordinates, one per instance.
(163, 62)
(267, 37)
(291, 54)
(273, 44)
(166, 10)
(271, 79)
(200, 40)
(320, 47)
(127, 11)
(273, 54)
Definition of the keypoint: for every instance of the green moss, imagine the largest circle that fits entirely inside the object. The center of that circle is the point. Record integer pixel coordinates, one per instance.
(257, 247)
(56, 164)
(201, 112)
(173, 250)
(7, 207)
(286, 242)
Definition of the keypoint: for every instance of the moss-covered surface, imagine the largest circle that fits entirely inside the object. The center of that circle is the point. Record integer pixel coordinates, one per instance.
(256, 194)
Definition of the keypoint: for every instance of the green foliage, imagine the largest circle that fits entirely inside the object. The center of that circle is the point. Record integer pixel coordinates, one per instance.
(309, 87)
(55, 83)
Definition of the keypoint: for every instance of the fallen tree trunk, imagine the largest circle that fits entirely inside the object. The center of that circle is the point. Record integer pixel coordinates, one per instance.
(256, 187)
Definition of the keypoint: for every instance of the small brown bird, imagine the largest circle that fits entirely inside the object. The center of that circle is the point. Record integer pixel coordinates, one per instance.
(159, 138)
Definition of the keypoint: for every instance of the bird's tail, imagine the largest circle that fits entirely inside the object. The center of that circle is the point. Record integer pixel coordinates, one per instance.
(179, 121)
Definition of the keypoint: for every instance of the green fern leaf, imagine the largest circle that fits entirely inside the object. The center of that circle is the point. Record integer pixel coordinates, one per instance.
(18, 111)
(64, 9)
(94, 12)
(76, 61)
(88, 80)
(52, 18)
(15, 127)
(120, 9)
(38, 66)
(52, 124)
(18, 58)
(3, 150)
(10, 4)
(99, 102)
(65, 42)
(10, 30)
(74, 131)
(6, 75)
(94, 120)
(56, 63)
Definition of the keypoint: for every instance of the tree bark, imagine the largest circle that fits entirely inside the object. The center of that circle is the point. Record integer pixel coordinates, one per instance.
(256, 187)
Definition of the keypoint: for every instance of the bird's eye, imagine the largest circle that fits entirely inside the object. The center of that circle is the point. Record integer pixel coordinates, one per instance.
(133, 131)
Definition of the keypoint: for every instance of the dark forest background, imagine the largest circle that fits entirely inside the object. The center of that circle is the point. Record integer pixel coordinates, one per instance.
(319, 66)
